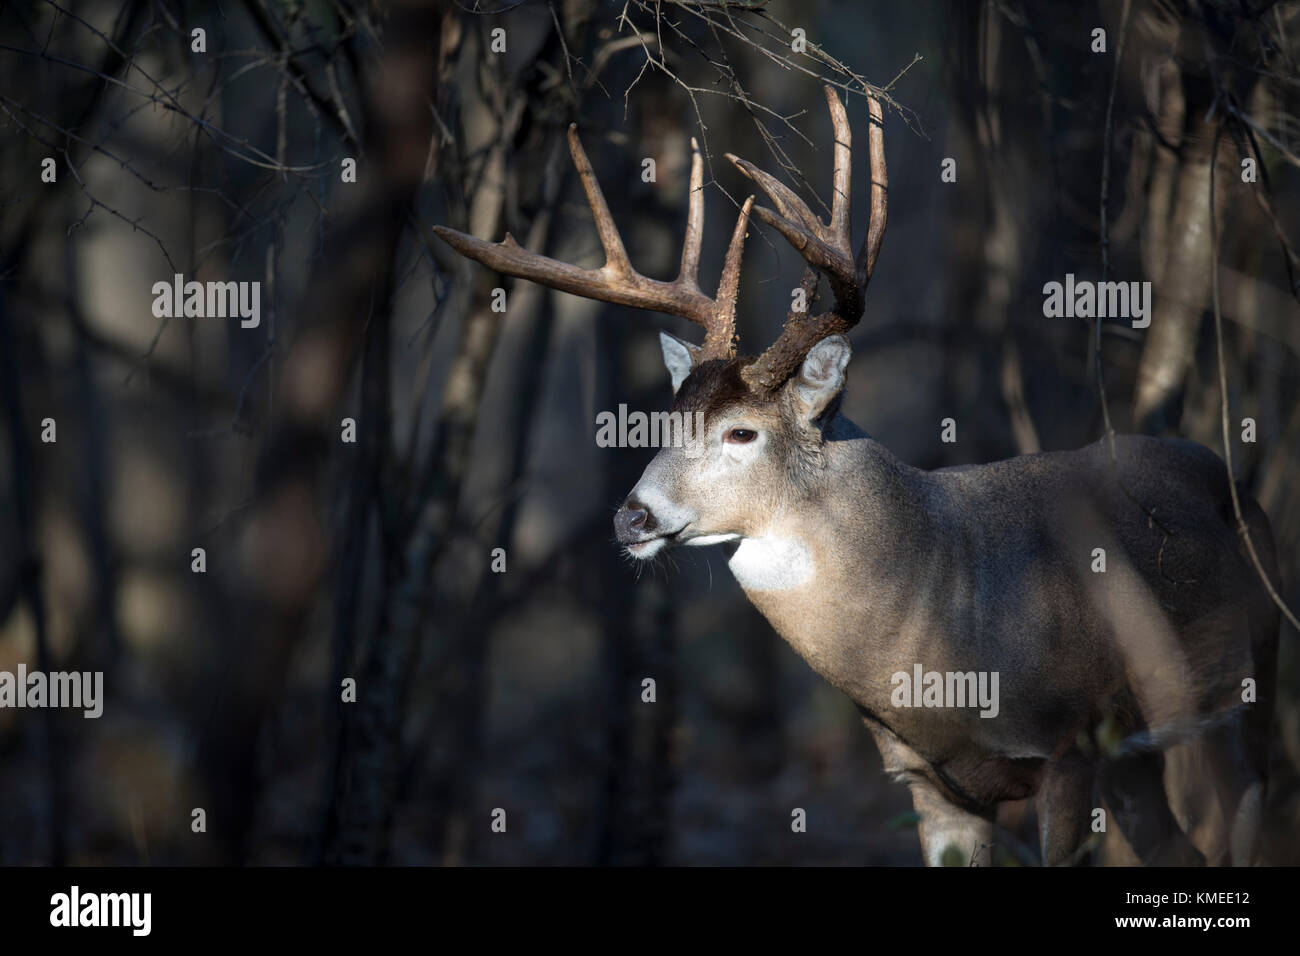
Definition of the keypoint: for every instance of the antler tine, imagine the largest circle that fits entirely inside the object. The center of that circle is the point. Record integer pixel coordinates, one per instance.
(615, 255)
(690, 270)
(720, 341)
(866, 263)
(841, 182)
(616, 281)
(827, 247)
(788, 205)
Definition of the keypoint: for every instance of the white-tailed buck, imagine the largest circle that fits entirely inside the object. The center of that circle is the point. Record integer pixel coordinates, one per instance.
(1101, 598)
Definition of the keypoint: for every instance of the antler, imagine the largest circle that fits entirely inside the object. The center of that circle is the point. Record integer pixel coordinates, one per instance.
(617, 281)
(826, 247)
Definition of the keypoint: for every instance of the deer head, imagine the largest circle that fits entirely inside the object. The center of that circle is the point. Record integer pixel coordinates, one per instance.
(765, 418)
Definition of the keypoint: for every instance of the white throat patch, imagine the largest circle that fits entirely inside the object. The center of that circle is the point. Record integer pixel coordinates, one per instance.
(707, 539)
(771, 564)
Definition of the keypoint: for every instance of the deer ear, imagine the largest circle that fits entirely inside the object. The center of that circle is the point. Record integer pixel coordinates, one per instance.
(679, 356)
(821, 379)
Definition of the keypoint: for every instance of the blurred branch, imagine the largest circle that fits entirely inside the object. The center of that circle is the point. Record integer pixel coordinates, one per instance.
(1242, 528)
(29, 583)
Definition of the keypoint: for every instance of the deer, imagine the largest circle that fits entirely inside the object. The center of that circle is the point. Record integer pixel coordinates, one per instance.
(1105, 589)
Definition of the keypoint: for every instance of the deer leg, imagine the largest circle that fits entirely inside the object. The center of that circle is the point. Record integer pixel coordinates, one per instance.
(950, 835)
(943, 825)
(1246, 822)
(1240, 793)
(1065, 802)
(1133, 785)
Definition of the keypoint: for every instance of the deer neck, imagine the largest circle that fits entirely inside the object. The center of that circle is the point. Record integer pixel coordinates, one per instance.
(843, 569)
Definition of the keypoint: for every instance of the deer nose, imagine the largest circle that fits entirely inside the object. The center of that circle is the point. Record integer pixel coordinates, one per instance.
(631, 521)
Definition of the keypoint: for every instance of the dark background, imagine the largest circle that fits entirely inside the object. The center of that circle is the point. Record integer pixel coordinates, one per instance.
(475, 430)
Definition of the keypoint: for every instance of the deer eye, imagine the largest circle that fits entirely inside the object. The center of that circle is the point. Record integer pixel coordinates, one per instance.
(740, 436)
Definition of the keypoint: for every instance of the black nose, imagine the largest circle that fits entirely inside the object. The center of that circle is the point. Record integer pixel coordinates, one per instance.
(631, 521)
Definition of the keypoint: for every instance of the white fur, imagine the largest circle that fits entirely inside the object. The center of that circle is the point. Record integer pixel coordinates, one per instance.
(771, 564)
(704, 539)
(646, 550)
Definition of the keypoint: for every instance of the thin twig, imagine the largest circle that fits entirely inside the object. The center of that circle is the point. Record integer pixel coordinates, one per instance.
(1242, 529)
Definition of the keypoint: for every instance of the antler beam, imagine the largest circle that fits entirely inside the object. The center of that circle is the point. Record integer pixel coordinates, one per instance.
(617, 282)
